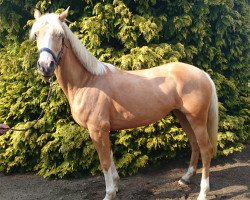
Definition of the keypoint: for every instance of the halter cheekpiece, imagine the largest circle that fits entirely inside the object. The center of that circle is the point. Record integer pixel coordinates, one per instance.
(56, 58)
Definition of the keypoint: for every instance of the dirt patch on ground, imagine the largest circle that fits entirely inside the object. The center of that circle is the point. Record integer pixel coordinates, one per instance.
(230, 179)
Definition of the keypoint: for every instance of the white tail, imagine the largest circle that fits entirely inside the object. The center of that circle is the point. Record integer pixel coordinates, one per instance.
(213, 117)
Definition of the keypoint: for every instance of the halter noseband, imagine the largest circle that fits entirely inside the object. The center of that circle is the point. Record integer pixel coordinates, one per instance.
(56, 58)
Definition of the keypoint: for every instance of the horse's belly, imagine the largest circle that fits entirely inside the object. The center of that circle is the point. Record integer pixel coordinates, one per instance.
(140, 107)
(136, 118)
(120, 125)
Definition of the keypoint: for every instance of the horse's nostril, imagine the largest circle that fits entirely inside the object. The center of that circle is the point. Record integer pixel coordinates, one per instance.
(42, 68)
(52, 64)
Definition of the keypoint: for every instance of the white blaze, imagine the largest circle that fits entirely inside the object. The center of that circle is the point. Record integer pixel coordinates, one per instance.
(47, 42)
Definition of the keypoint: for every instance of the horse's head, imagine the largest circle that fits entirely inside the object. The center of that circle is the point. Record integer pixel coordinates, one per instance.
(49, 34)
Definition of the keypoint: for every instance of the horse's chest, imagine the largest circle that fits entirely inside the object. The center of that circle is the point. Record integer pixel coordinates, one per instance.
(86, 108)
(81, 114)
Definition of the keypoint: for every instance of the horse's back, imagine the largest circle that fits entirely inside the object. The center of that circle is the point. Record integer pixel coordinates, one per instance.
(166, 70)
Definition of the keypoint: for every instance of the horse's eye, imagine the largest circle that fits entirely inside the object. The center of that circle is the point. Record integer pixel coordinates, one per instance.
(35, 35)
(59, 36)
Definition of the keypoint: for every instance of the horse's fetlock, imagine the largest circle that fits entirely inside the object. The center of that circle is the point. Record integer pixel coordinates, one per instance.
(116, 180)
(110, 194)
(202, 197)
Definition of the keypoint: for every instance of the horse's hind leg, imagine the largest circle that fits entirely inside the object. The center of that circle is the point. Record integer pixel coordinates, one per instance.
(199, 125)
(185, 179)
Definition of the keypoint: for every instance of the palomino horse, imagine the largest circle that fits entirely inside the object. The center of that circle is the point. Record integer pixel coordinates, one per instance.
(103, 98)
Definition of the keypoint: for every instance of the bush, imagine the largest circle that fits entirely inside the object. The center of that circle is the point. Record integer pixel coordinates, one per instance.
(213, 35)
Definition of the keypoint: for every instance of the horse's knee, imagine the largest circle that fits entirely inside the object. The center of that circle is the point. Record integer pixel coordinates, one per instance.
(99, 131)
(105, 126)
(105, 164)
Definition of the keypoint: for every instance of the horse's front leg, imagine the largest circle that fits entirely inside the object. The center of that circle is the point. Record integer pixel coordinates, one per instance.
(100, 138)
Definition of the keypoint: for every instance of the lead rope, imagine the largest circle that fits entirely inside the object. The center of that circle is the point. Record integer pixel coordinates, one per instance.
(42, 112)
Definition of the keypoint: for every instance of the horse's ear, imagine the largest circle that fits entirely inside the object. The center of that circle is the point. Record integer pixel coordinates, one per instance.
(37, 13)
(64, 15)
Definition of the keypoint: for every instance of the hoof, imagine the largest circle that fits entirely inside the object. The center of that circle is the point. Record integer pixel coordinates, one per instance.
(202, 197)
(110, 195)
(183, 182)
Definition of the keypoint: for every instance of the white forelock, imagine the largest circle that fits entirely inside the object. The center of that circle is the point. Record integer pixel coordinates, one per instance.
(51, 21)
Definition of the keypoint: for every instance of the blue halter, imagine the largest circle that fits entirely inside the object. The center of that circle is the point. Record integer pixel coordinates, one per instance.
(56, 58)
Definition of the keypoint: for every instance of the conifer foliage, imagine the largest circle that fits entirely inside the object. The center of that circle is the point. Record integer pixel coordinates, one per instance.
(131, 34)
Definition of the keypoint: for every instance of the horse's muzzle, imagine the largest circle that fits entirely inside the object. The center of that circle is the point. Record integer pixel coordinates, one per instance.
(46, 68)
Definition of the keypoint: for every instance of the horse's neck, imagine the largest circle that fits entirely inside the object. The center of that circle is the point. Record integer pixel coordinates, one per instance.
(70, 73)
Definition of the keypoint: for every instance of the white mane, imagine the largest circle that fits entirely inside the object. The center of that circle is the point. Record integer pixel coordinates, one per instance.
(91, 63)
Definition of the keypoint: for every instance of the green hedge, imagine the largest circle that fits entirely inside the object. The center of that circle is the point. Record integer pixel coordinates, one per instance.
(131, 34)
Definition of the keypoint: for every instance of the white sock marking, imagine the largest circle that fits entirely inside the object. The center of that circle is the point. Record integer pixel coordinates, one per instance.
(204, 188)
(114, 172)
(111, 180)
(189, 174)
(110, 189)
